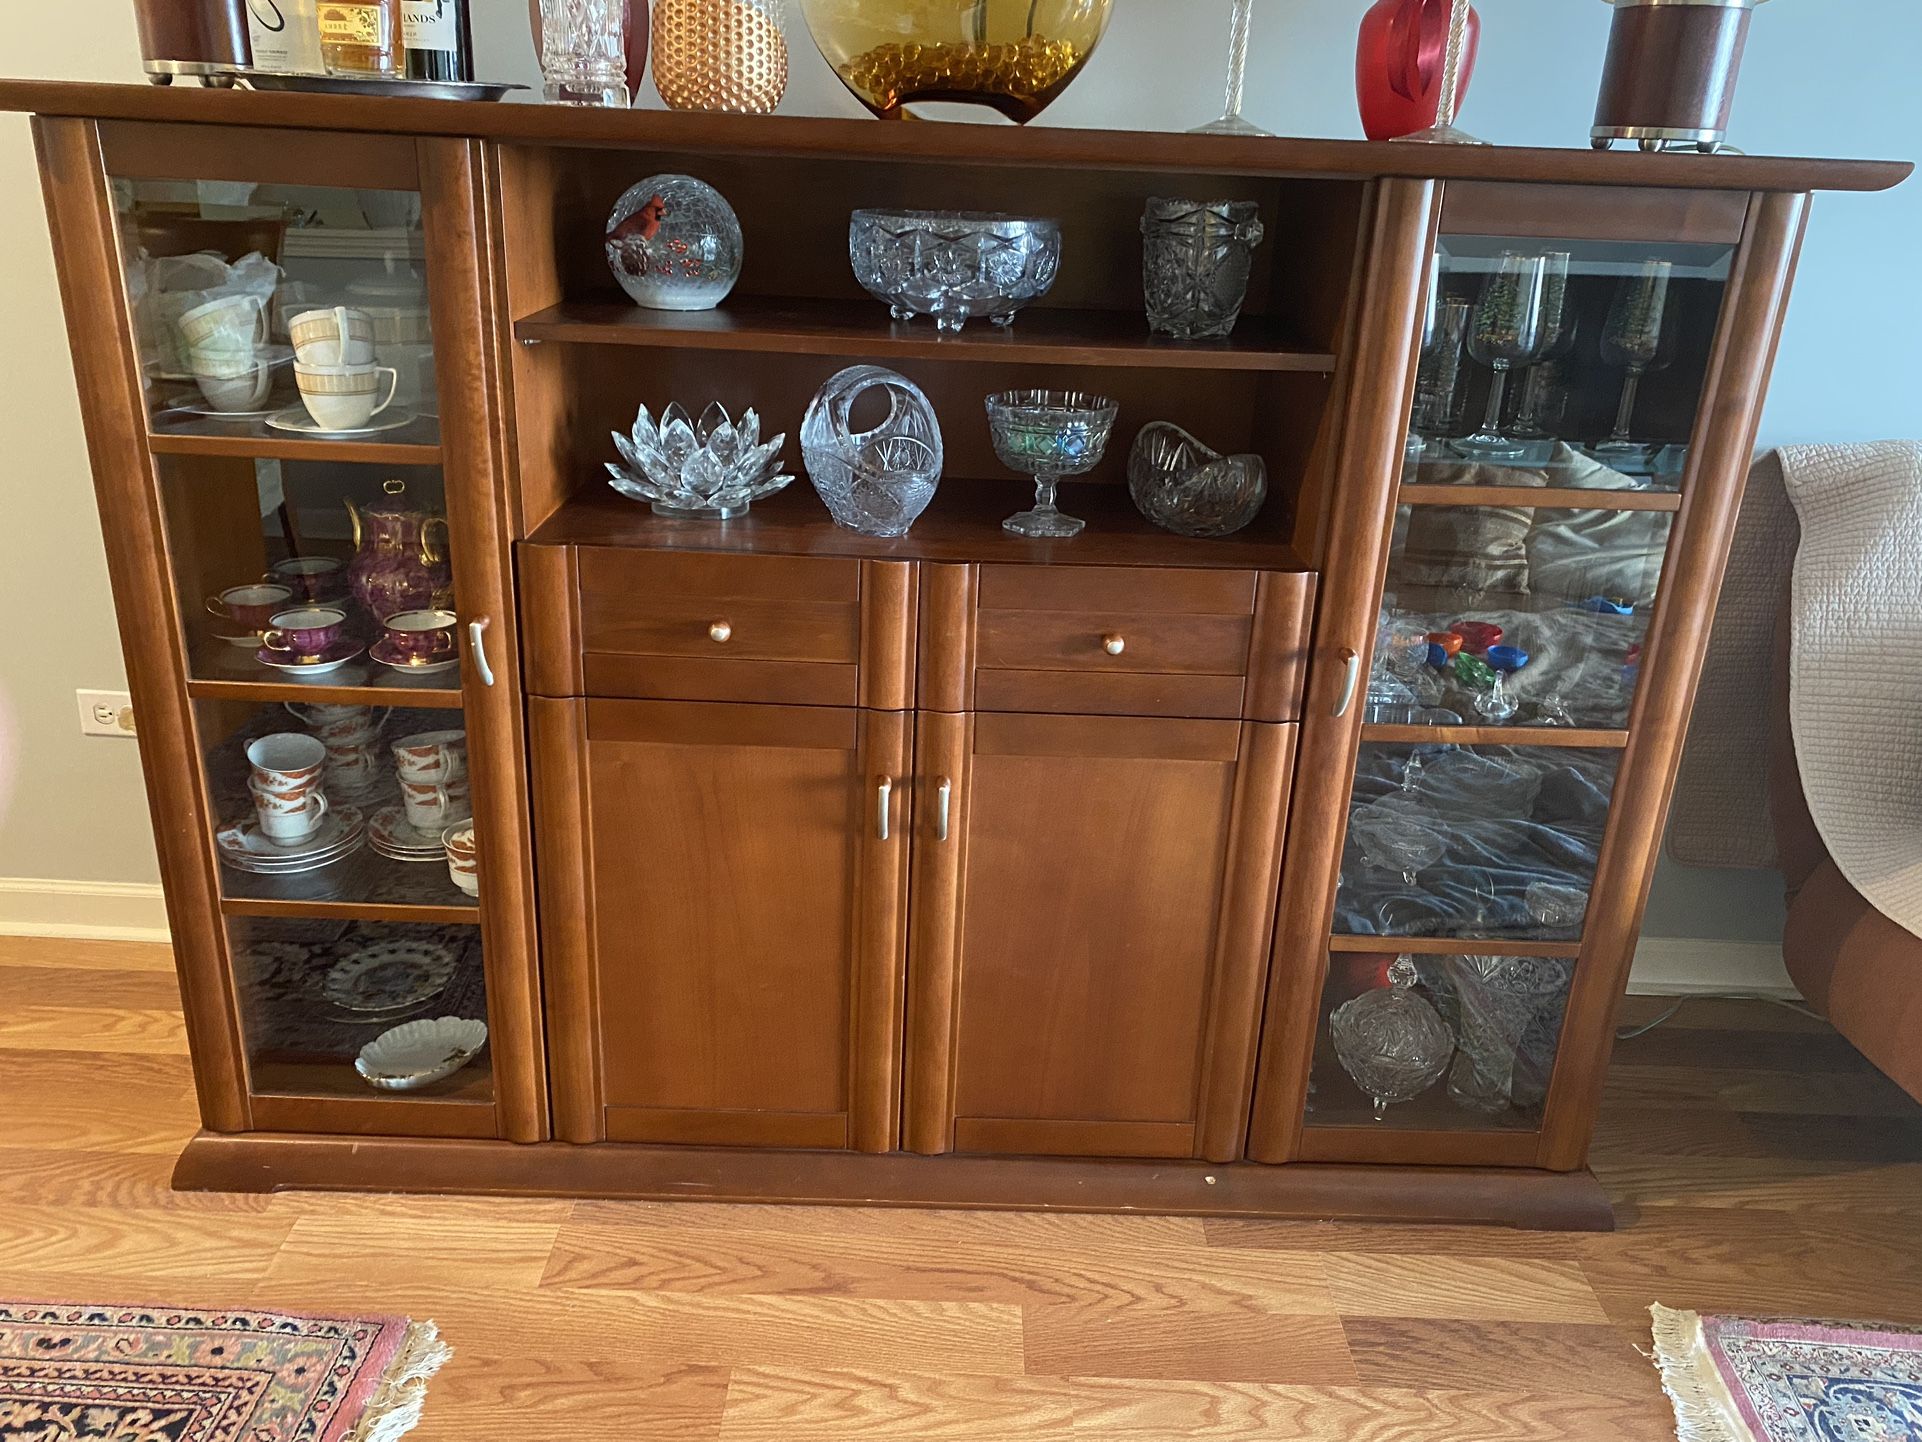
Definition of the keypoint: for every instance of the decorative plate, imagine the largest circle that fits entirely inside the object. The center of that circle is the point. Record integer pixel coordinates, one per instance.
(416, 1053)
(244, 845)
(390, 976)
(393, 836)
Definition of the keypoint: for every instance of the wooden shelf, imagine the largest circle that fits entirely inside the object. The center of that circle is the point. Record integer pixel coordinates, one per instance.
(1564, 736)
(219, 672)
(1540, 498)
(1453, 945)
(414, 444)
(362, 886)
(963, 524)
(859, 327)
(331, 1078)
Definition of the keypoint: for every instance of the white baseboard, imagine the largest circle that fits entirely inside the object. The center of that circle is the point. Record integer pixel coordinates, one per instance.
(84, 910)
(1691, 966)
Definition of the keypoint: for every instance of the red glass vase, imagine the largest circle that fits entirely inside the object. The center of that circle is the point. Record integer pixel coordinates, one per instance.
(1398, 65)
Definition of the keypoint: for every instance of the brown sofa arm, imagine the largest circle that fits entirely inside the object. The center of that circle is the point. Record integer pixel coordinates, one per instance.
(1798, 844)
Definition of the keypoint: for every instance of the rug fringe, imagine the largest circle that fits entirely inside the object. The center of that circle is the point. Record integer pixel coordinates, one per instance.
(395, 1407)
(1689, 1379)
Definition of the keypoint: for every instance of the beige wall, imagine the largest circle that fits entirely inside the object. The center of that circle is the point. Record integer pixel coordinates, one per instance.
(1826, 78)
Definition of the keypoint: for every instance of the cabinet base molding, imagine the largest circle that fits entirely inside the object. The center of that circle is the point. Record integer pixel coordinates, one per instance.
(268, 1162)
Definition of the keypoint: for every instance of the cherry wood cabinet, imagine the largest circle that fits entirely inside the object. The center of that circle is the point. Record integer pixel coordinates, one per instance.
(1093, 897)
(959, 869)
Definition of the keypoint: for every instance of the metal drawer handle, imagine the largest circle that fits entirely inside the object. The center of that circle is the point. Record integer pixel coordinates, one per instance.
(1351, 678)
(1114, 643)
(477, 640)
(720, 632)
(943, 796)
(883, 795)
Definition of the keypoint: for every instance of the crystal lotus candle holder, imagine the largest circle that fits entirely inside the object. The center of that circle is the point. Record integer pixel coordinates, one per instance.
(707, 470)
(953, 265)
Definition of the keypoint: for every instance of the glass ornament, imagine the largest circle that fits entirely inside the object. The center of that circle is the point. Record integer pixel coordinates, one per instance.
(674, 243)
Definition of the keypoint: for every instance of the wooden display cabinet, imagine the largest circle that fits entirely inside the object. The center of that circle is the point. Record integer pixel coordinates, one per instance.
(960, 869)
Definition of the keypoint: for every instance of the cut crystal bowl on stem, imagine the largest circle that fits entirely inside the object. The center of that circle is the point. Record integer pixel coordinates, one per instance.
(1390, 1041)
(1048, 435)
(1183, 486)
(953, 265)
(710, 470)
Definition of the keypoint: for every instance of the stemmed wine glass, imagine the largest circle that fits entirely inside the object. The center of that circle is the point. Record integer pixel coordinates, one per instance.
(1438, 378)
(1231, 122)
(1506, 332)
(1633, 340)
(1558, 339)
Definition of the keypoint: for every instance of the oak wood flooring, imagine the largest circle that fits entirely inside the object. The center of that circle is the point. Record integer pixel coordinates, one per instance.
(1757, 1163)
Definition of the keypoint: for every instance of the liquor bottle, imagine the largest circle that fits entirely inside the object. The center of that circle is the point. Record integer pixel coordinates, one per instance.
(439, 43)
(286, 36)
(361, 37)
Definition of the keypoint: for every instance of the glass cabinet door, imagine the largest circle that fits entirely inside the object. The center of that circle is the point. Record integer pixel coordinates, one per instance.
(1556, 394)
(286, 361)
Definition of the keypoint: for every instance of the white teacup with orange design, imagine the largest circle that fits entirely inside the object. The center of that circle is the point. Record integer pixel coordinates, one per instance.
(439, 757)
(463, 857)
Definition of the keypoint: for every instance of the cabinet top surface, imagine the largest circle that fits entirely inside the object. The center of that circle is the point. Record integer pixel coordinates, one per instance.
(940, 143)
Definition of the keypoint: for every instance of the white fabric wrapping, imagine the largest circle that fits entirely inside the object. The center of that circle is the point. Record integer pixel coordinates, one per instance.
(1855, 693)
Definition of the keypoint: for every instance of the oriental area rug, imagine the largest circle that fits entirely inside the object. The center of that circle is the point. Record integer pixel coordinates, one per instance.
(1739, 1379)
(82, 1373)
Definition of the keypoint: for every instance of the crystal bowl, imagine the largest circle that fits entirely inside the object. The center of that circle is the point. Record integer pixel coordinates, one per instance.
(710, 470)
(1014, 56)
(1048, 435)
(953, 265)
(1183, 486)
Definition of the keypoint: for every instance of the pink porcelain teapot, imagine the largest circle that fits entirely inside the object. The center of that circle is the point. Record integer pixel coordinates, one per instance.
(397, 564)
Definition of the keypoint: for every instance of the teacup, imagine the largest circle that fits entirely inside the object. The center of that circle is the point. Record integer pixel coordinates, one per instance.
(340, 726)
(463, 858)
(353, 768)
(338, 336)
(345, 397)
(251, 608)
(287, 763)
(236, 320)
(421, 638)
(433, 807)
(315, 577)
(286, 818)
(234, 388)
(306, 631)
(432, 756)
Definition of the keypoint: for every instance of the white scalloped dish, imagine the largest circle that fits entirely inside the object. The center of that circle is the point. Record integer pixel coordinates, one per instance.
(419, 1053)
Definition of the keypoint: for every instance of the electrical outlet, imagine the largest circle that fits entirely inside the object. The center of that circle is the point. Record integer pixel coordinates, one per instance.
(105, 713)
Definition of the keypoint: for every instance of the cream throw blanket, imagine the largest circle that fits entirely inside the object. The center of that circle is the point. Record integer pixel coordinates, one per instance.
(1855, 693)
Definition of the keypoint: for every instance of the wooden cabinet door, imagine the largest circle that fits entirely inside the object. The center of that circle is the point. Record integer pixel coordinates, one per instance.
(723, 920)
(1093, 899)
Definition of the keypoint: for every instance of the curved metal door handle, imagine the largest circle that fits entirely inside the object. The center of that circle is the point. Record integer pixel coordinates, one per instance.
(883, 796)
(943, 799)
(1351, 678)
(477, 640)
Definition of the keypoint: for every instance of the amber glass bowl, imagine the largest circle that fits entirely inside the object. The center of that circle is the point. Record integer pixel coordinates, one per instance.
(1014, 56)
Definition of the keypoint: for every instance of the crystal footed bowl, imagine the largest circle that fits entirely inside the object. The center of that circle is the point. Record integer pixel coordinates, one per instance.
(710, 470)
(1048, 435)
(1390, 1041)
(953, 265)
(1014, 56)
(1182, 486)
(880, 479)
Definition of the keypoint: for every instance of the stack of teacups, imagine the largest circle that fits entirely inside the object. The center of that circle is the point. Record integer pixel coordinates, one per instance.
(286, 786)
(226, 345)
(334, 367)
(463, 857)
(351, 736)
(434, 794)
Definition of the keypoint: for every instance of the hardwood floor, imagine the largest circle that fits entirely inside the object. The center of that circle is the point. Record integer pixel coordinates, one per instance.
(1757, 1162)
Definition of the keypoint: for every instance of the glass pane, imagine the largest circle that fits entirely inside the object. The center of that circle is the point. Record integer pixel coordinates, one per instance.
(1515, 616)
(1579, 363)
(221, 274)
(1473, 1039)
(1473, 841)
(314, 992)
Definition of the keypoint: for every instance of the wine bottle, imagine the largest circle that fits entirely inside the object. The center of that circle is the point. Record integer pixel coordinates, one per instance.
(439, 40)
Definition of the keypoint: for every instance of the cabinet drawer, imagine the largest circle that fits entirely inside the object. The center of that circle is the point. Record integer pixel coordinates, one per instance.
(681, 626)
(1097, 640)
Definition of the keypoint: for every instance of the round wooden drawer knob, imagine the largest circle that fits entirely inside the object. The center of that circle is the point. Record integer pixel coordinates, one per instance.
(720, 631)
(1114, 645)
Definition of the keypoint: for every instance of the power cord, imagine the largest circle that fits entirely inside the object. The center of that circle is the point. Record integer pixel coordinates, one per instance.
(1629, 1033)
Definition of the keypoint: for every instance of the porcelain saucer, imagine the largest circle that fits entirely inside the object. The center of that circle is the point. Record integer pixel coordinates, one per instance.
(334, 657)
(295, 421)
(383, 652)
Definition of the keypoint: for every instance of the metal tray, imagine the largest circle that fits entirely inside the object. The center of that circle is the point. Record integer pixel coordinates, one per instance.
(352, 85)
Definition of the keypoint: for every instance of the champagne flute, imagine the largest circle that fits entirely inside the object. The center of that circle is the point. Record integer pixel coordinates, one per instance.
(1633, 340)
(1438, 379)
(1506, 332)
(1558, 338)
(1231, 122)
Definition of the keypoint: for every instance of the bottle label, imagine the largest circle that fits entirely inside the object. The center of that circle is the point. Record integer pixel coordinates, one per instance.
(430, 25)
(351, 24)
(285, 35)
